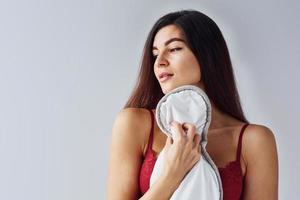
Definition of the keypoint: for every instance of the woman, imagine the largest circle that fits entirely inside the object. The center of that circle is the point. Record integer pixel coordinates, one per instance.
(187, 48)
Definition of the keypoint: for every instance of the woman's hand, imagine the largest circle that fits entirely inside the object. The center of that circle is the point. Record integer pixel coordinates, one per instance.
(182, 152)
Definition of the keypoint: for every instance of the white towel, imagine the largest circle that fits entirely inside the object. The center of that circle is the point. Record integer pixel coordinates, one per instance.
(189, 104)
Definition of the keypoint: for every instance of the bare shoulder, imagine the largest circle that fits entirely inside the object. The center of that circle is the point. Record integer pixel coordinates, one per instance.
(260, 155)
(257, 139)
(132, 124)
(256, 134)
(128, 134)
(134, 118)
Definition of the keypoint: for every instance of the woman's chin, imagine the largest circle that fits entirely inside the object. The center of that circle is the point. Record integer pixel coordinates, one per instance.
(166, 90)
(169, 88)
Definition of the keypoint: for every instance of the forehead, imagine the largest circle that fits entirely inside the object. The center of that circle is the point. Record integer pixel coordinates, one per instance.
(165, 33)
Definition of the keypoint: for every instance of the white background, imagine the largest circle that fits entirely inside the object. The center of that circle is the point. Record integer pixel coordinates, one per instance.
(68, 67)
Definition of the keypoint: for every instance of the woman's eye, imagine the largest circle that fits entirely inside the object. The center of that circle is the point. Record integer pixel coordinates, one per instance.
(175, 49)
(171, 50)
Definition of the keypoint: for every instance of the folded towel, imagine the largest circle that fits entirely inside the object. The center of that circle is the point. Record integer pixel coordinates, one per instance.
(189, 104)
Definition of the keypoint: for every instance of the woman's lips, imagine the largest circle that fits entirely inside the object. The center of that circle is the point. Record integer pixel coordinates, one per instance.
(165, 78)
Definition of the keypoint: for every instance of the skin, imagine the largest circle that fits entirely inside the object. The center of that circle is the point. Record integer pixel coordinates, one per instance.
(259, 160)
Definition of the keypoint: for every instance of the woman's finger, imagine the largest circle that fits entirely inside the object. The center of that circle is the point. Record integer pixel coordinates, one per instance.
(197, 139)
(177, 131)
(190, 130)
(168, 141)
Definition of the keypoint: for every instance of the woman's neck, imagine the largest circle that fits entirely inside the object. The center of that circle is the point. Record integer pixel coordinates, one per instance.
(220, 119)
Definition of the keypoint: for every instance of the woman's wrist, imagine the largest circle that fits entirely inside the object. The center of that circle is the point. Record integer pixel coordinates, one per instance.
(170, 181)
(163, 188)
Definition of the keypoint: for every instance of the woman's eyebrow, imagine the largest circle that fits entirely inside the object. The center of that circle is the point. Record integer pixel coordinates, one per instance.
(169, 41)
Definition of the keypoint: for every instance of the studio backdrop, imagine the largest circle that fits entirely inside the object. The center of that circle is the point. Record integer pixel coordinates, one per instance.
(68, 67)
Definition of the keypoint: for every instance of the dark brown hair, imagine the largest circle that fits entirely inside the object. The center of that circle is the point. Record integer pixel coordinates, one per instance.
(207, 43)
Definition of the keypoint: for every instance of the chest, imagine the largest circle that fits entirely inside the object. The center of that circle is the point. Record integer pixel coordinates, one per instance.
(221, 146)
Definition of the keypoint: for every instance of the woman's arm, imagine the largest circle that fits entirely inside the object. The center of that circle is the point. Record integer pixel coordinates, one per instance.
(162, 189)
(260, 155)
(125, 155)
(130, 130)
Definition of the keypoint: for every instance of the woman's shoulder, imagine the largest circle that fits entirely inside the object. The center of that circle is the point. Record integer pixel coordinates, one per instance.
(261, 160)
(257, 139)
(255, 133)
(133, 125)
(134, 116)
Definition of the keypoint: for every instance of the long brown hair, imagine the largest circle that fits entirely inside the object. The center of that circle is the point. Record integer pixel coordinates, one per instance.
(206, 41)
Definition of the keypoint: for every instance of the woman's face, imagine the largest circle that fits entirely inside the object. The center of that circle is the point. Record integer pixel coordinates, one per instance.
(175, 63)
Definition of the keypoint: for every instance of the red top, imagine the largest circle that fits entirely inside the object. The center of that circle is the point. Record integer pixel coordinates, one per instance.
(231, 175)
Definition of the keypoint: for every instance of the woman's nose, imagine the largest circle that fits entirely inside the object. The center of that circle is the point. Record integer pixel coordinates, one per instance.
(161, 61)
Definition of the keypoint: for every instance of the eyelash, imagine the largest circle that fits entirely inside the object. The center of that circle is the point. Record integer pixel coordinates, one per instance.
(171, 50)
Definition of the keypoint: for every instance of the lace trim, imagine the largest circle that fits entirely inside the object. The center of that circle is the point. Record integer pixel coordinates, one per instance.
(232, 172)
(228, 165)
